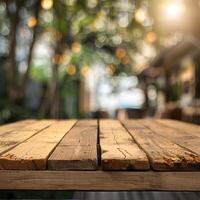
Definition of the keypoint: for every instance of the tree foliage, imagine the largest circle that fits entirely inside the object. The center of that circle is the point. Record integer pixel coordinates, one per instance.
(75, 34)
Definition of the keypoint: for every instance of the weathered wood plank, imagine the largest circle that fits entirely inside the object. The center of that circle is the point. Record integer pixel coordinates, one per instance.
(99, 180)
(181, 137)
(22, 132)
(14, 126)
(118, 149)
(87, 122)
(191, 129)
(78, 149)
(33, 153)
(163, 154)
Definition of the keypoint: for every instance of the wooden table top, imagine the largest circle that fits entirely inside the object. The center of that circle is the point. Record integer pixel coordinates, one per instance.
(100, 155)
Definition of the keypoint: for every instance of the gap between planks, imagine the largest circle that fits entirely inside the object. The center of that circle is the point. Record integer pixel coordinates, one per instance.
(78, 149)
(163, 154)
(118, 150)
(32, 154)
(182, 137)
(20, 132)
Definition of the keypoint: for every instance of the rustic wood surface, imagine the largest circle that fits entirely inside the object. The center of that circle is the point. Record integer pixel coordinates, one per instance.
(14, 126)
(46, 154)
(78, 148)
(34, 152)
(163, 154)
(182, 126)
(14, 134)
(99, 180)
(181, 136)
(118, 149)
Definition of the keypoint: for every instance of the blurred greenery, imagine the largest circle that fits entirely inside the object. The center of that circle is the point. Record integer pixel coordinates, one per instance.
(50, 45)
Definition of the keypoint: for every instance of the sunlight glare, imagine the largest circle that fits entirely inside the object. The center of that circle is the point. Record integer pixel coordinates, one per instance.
(174, 10)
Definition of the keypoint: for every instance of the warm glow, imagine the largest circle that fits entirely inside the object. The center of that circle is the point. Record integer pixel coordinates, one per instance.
(71, 69)
(151, 37)
(47, 4)
(188, 73)
(85, 70)
(32, 21)
(174, 10)
(76, 47)
(120, 53)
(140, 15)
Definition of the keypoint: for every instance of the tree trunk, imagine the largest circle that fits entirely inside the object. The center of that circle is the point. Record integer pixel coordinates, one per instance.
(52, 97)
(11, 71)
(29, 60)
(54, 93)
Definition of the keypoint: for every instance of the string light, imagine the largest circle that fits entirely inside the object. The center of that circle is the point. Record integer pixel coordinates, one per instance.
(120, 53)
(140, 15)
(151, 37)
(32, 22)
(85, 70)
(47, 4)
(71, 69)
(76, 47)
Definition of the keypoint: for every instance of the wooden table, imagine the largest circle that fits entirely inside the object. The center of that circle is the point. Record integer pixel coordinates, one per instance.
(100, 155)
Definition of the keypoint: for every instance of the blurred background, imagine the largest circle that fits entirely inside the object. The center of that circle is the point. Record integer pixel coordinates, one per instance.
(99, 59)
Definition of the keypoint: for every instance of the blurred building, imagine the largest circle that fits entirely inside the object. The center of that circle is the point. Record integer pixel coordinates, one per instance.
(175, 73)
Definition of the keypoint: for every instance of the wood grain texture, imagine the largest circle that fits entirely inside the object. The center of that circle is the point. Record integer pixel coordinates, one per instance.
(163, 154)
(33, 153)
(189, 128)
(87, 122)
(14, 126)
(180, 135)
(78, 149)
(20, 132)
(99, 180)
(118, 150)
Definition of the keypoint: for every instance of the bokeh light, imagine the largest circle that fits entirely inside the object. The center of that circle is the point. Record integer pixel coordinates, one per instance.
(85, 70)
(47, 4)
(174, 10)
(140, 15)
(71, 69)
(76, 47)
(120, 53)
(32, 22)
(93, 42)
(151, 37)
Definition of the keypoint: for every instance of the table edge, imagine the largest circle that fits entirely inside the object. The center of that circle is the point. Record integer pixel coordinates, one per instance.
(99, 180)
